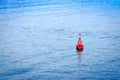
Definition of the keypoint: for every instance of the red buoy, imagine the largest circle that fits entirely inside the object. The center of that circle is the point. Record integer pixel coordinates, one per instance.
(79, 45)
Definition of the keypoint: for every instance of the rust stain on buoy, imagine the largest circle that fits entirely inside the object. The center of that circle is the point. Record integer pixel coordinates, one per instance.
(79, 45)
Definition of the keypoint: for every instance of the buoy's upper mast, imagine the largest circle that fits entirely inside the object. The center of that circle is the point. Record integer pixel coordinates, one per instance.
(79, 39)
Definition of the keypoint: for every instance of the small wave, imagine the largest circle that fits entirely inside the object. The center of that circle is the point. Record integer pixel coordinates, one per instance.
(15, 72)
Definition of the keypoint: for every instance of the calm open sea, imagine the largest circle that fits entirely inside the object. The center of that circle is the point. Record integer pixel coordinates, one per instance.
(38, 38)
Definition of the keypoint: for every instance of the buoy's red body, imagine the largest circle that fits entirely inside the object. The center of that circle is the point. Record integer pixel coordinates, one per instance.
(79, 45)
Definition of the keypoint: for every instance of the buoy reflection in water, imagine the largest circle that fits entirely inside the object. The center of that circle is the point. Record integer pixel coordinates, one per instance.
(79, 52)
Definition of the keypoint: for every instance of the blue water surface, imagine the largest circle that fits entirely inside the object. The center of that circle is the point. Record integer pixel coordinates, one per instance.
(38, 38)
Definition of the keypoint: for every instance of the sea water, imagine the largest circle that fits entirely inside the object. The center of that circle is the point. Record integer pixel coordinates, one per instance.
(38, 39)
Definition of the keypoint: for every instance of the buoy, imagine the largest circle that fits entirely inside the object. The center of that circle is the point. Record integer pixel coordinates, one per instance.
(79, 45)
(79, 52)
